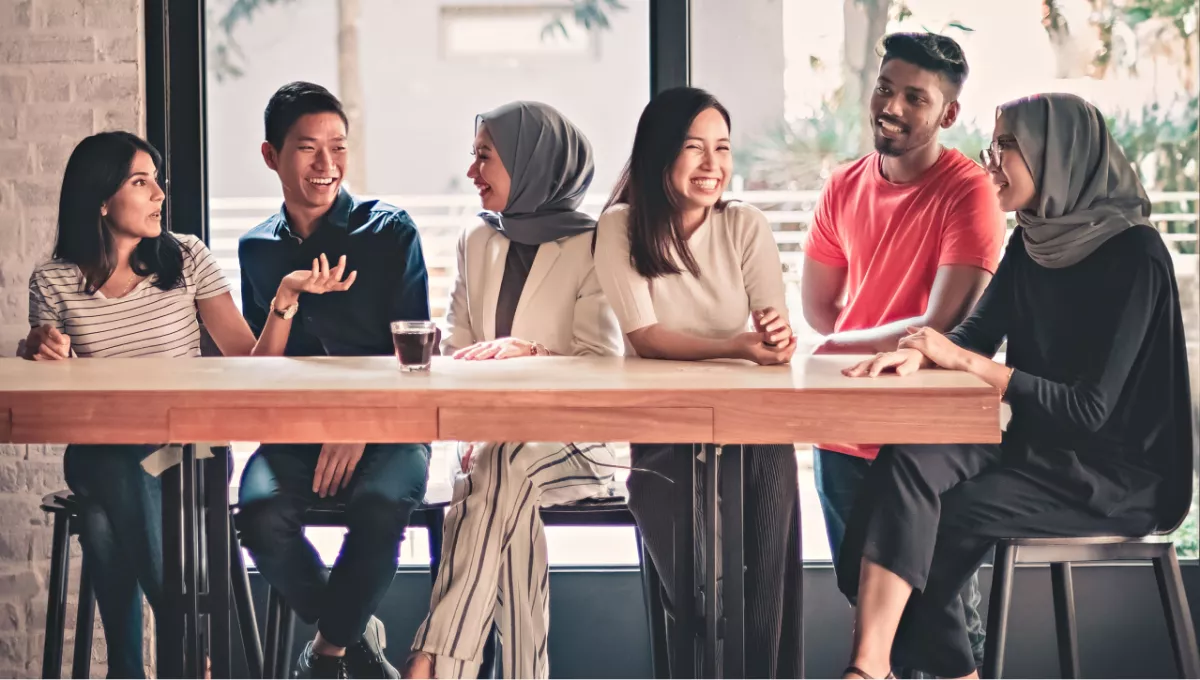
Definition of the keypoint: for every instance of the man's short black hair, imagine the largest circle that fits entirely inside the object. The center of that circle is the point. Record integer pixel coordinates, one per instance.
(930, 51)
(294, 100)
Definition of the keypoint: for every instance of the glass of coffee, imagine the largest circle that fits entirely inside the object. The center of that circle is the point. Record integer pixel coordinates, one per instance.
(414, 342)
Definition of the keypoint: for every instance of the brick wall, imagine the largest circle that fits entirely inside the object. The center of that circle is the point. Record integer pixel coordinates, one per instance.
(68, 68)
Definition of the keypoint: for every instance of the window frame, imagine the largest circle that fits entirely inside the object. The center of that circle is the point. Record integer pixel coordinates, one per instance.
(177, 99)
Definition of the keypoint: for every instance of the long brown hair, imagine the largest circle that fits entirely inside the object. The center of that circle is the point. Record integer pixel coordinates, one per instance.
(97, 168)
(645, 183)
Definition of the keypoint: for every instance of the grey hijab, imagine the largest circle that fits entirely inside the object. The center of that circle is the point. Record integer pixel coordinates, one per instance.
(550, 163)
(1087, 191)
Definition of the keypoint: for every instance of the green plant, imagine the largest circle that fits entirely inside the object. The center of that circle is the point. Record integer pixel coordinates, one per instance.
(1162, 143)
(226, 59)
(967, 138)
(590, 14)
(800, 153)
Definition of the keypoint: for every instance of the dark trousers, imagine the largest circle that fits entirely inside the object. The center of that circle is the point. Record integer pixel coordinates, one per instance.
(839, 477)
(772, 553)
(931, 513)
(276, 491)
(121, 536)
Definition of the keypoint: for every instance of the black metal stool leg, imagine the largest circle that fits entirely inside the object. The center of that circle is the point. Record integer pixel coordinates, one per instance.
(219, 545)
(998, 605)
(85, 621)
(1179, 619)
(1064, 619)
(56, 596)
(287, 632)
(271, 649)
(243, 601)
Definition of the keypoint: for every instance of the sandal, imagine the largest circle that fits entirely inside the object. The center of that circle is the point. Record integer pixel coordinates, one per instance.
(855, 670)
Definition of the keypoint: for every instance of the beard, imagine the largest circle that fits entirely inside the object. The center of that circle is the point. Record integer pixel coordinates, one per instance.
(889, 147)
(912, 138)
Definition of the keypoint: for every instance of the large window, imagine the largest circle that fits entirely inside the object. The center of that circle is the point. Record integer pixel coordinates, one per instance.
(795, 76)
(413, 76)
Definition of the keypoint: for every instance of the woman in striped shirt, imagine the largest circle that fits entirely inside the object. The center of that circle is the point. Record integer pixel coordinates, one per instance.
(121, 286)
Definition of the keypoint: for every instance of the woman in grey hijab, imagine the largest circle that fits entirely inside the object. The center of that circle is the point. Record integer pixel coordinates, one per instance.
(525, 287)
(1096, 375)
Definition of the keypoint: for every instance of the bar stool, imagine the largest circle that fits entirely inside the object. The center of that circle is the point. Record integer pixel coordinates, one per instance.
(66, 509)
(276, 653)
(1061, 553)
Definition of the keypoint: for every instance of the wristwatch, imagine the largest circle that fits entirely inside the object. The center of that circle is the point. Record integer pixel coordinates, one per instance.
(287, 312)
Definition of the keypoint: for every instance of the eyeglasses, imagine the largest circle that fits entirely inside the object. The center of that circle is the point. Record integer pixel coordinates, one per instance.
(991, 156)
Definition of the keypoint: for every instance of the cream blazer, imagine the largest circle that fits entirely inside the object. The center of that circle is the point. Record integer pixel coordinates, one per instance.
(561, 305)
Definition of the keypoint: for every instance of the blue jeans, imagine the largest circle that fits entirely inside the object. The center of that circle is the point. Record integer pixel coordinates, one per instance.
(121, 536)
(839, 477)
(276, 491)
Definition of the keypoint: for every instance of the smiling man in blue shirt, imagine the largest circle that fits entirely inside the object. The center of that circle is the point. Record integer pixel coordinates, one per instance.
(379, 484)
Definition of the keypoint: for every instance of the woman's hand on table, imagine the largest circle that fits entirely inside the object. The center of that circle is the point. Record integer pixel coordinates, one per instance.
(503, 348)
(921, 348)
(47, 343)
(753, 346)
(901, 362)
(772, 325)
(937, 348)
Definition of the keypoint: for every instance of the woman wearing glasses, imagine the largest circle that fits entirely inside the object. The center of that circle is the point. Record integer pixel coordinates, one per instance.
(1096, 375)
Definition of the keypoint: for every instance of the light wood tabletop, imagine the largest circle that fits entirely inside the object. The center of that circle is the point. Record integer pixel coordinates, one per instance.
(325, 399)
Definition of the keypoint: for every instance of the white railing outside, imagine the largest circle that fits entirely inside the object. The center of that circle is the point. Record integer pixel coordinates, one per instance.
(440, 217)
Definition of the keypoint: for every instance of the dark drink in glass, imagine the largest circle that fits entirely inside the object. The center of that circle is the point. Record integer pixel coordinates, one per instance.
(414, 342)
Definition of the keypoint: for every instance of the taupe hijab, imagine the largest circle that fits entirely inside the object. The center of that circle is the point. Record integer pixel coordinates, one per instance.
(550, 163)
(1087, 191)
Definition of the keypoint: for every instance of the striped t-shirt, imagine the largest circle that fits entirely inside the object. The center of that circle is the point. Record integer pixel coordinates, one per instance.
(146, 322)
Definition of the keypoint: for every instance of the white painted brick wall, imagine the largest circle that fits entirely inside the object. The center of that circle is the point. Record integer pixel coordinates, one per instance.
(68, 68)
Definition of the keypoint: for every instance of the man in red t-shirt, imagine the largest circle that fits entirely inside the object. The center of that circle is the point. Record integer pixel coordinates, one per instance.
(906, 236)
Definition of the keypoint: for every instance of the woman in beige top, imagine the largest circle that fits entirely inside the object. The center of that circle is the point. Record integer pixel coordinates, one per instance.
(692, 277)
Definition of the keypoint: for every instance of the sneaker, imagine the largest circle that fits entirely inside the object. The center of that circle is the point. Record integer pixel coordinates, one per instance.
(366, 659)
(313, 665)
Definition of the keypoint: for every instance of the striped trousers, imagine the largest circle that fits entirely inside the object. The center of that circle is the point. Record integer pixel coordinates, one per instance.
(494, 563)
(772, 600)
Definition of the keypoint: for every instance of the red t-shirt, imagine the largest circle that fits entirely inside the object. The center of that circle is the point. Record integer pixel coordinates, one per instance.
(893, 237)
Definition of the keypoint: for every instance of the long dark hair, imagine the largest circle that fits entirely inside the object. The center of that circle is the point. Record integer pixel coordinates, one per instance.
(98, 167)
(645, 183)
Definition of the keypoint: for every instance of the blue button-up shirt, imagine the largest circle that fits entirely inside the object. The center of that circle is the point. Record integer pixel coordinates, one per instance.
(379, 241)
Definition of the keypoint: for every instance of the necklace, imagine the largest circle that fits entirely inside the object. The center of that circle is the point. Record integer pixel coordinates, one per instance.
(133, 279)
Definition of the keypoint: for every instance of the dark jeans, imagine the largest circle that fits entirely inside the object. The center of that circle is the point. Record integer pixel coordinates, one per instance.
(839, 477)
(121, 536)
(276, 491)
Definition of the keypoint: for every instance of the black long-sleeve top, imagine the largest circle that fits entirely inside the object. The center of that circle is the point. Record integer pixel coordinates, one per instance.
(1100, 398)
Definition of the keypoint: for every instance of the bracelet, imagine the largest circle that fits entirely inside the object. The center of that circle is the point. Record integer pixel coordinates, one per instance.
(536, 349)
(1004, 390)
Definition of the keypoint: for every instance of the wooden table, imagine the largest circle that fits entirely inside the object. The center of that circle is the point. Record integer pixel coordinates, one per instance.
(329, 399)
